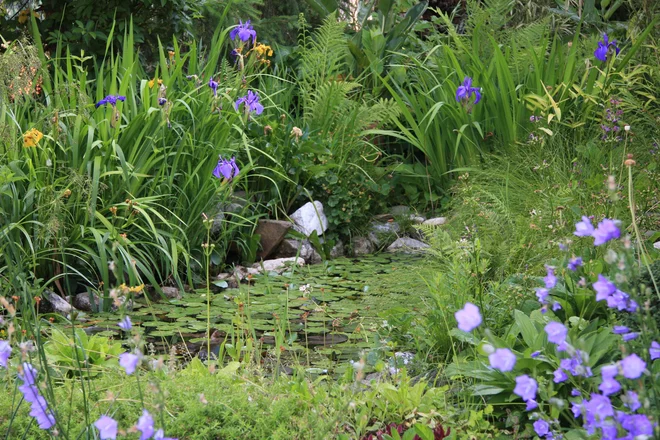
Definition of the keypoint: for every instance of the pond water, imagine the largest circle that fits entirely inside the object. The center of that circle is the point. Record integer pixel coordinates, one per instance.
(319, 316)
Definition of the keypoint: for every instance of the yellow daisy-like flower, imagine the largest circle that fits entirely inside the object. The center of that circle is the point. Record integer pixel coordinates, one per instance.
(153, 81)
(32, 137)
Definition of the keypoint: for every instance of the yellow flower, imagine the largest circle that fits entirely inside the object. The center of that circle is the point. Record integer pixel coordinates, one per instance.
(170, 53)
(136, 289)
(262, 50)
(24, 15)
(153, 81)
(32, 137)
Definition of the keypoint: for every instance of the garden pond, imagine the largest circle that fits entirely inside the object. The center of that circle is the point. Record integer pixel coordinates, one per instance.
(319, 317)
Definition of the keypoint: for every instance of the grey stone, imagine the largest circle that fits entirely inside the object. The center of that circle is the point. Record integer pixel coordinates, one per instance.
(229, 278)
(309, 218)
(81, 302)
(171, 292)
(416, 219)
(337, 250)
(385, 228)
(278, 265)
(656, 245)
(361, 246)
(272, 233)
(406, 244)
(436, 221)
(53, 303)
(291, 248)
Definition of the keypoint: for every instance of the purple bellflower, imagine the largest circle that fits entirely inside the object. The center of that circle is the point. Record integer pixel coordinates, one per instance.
(632, 366)
(556, 332)
(5, 352)
(502, 359)
(107, 427)
(126, 324)
(584, 228)
(550, 279)
(129, 362)
(574, 263)
(607, 230)
(39, 407)
(526, 388)
(468, 317)
(145, 425)
(654, 350)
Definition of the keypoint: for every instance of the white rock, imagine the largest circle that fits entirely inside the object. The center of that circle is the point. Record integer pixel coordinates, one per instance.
(656, 245)
(407, 244)
(309, 218)
(277, 265)
(416, 219)
(437, 221)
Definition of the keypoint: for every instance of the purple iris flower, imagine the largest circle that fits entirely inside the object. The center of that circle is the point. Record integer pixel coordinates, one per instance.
(162, 101)
(605, 47)
(465, 90)
(556, 306)
(5, 352)
(574, 263)
(556, 332)
(607, 230)
(654, 351)
(125, 324)
(251, 101)
(226, 169)
(584, 228)
(110, 99)
(502, 359)
(107, 427)
(632, 366)
(468, 317)
(244, 31)
(214, 86)
(129, 362)
(145, 425)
